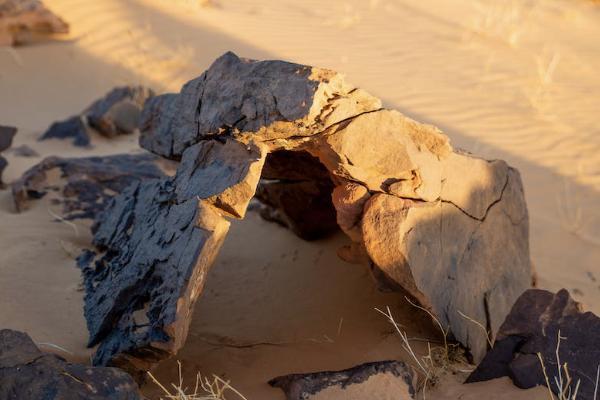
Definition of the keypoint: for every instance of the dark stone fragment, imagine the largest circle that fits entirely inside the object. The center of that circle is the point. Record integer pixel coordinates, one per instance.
(532, 327)
(85, 184)
(118, 112)
(304, 386)
(24, 151)
(72, 128)
(7, 134)
(233, 94)
(26, 373)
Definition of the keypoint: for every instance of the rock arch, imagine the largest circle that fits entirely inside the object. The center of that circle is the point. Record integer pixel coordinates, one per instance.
(449, 228)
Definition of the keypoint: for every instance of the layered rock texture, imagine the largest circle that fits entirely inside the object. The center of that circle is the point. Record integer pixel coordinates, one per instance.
(384, 380)
(7, 133)
(83, 186)
(533, 327)
(449, 228)
(117, 113)
(26, 373)
(22, 21)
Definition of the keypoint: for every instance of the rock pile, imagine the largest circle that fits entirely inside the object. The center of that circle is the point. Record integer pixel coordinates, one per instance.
(22, 21)
(449, 228)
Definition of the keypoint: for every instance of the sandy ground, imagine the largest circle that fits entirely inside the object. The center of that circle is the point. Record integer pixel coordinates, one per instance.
(516, 80)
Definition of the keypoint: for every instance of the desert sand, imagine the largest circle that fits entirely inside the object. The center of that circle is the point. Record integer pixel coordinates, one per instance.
(504, 79)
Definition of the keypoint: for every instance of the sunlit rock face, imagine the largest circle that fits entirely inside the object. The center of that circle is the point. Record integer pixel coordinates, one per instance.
(449, 228)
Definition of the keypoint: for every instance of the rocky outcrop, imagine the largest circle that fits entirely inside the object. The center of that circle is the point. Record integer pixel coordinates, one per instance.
(375, 380)
(83, 186)
(533, 327)
(26, 373)
(449, 228)
(22, 21)
(116, 113)
(7, 134)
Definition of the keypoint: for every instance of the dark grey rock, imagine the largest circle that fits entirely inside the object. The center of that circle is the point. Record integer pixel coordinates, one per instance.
(305, 386)
(26, 373)
(7, 133)
(72, 128)
(532, 327)
(85, 184)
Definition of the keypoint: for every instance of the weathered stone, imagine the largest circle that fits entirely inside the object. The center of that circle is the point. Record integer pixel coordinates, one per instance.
(26, 373)
(448, 228)
(118, 112)
(533, 327)
(24, 151)
(73, 128)
(22, 21)
(384, 380)
(160, 243)
(7, 134)
(84, 185)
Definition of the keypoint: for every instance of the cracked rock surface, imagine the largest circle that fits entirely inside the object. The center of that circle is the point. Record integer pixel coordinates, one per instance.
(448, 227)
(374, 380)
(26, 373)
(23, 20)
(532, 327)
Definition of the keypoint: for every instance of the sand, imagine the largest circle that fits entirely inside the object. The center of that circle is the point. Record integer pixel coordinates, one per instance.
(515, 80)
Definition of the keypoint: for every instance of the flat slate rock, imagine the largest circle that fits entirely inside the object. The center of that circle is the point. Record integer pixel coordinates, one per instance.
(26, 373)
(382, 380)
(532, 327)
(117, 113)
(424, 217)
(23, 21)
(7, 133)
(84, 185)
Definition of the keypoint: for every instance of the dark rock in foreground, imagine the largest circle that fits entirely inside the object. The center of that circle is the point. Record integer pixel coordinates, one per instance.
(84, 185)
(532, 327)
(117, 113)
(26, 373)
(375, 380)
(7, 134)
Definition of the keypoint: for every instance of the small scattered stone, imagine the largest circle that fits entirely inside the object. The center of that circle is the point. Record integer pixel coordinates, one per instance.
(7, 134)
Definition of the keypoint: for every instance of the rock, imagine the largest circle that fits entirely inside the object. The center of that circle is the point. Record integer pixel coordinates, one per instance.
(532, 327)
(84, 185)
(24, 151)
(7, 134)
(72, 128)
(22, 21)
(117, 113)
(26, 373)
(449, 228)
(391, 380)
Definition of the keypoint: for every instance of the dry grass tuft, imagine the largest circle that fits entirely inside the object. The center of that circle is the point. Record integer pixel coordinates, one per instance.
(438, 361)
(214, 388)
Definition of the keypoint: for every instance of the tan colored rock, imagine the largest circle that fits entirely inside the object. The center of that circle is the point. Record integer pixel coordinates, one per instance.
(349, 199)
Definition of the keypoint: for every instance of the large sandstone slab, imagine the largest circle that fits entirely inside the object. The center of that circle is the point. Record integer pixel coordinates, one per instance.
(26, 373)
(533, 327)
(449, 228)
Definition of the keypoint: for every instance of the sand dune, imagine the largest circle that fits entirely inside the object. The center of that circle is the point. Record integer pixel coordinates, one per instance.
(515, 80)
